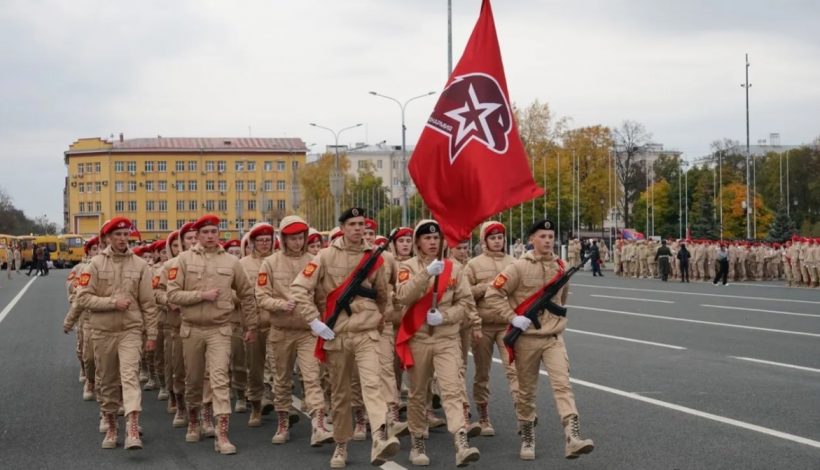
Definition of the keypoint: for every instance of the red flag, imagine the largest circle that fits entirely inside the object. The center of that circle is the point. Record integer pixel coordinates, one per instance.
(470, 163)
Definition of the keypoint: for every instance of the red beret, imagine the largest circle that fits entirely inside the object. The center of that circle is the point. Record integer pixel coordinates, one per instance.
(336, 233)
(117, 223)
(159, 245)
(91, 242)
(173, 236)
(261, 229)
(187, 227)
(370, 224)
(294, 228)
(380, 240)
(137, 250)
(314, 237)
(404, 232)
(205, 221)
(494, 229)
(231, 243)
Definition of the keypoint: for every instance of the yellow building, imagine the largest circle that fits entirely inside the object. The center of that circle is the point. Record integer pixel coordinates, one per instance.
(161, 183)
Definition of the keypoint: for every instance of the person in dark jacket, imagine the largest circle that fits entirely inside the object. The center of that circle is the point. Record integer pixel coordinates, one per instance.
(36, 254)
(723, 262)
(595, 259)
(662, 257)
(683, 257)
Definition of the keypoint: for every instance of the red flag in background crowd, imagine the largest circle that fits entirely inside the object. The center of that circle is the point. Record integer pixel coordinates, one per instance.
(470, 163)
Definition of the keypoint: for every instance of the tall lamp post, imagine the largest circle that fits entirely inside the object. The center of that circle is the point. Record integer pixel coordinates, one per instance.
(337, 178)
(602, 219)
(403, 106)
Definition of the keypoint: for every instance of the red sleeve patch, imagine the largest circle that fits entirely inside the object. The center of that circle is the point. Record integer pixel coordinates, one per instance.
(85, 278)
(309, 269)
(172, 274)
(155, 282)
(404, 275)
(499, 281)
(263, 279)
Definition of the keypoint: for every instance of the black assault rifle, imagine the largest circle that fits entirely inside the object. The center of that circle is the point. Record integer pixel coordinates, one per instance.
(355, 288)
(545, 302)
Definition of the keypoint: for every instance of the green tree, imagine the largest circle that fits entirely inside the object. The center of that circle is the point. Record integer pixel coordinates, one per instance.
(704, 224)
(782, 227)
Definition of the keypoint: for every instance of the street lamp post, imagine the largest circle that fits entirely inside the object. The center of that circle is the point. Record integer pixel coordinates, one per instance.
(602, 219)
(747, 85)
(337, 179)
(404, 183)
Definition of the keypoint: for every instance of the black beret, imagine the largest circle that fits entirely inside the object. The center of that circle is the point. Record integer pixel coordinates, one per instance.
(428, 228)
(350, 213)
(544, 224)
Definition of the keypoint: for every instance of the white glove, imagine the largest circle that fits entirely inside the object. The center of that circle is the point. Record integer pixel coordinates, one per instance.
(436, 267)
(321, 330)
(521, 322)
(434, 317)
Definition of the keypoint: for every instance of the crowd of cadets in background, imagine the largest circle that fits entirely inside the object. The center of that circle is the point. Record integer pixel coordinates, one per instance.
(157, 317)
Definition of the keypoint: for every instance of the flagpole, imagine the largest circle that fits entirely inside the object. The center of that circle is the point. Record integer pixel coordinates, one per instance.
(449, 38)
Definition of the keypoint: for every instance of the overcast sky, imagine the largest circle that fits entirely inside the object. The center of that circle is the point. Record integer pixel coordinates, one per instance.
(88, 68)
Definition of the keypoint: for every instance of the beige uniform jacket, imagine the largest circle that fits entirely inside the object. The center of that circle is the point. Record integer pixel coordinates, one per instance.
(391, 269)
(273, 289)
(455, 306)
(110, 276)
(480, 272)
(397, 308)
(74, 315)
(197, 270)
(327, 271)
(519, 281)
(252, 265)
(160, 294)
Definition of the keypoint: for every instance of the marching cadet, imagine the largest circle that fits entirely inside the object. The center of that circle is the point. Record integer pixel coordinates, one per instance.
(260, 239)
(239, 360)
(354, 340)
(428, 339)
(162, 364)
(616, 257)
(115, 287)
(202, 283)
(76, 315)
(314, 241)
(402, 250)
(642, 256)
(177, 241)
(651, 264)
(461, 252)
(290, 339)
(519, 283)
(480, 272)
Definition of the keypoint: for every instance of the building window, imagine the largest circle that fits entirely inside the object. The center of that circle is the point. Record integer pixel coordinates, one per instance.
(209, 185)
(180, 223)
(209, 165)
(239, 204)
(180, 165)
(280, 165)
(149, 206)
(97, 167)
(82, 207)
(163, 206)
(119, 206)
(251, 165)
(240, 224)
(240, 186)
(98, 186)
(220, 166)
(132, 167)
(209, 205)
(280, 185)
(149, 225)
(280, 204)
(294, 165)
(81, 187)
(80, 168)
(239, 165)
(162, 186)
(251, 222)
(379, 164)
(192, 185)
(180, 185)
(268, 186)
(132, 186)
(149, 186)
(163, 224)
(162, 166)
(119, 186)
(268, 166)
(192, 165)
(149, 166)
(223, 224)
(268, 204)
(98, 206)
(180, 206)
(192, 206)
(251, 204)
(223, 205)
(223, 185)
(119, 167)
(395, 181)
(251, 185)
(132, 206)
(89, 187)
(362, 164)
(89, 167)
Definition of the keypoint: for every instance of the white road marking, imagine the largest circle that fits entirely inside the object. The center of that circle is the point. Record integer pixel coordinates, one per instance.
(631, 340)
(693, 412)
(761, 361)
(16, 299)
(633, 298)
(702, 294)
(761, 310)
(702, 322)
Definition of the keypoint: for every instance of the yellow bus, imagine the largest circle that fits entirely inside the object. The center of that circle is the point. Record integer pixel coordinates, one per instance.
(70, 250)
(25, 242)
(7, 243)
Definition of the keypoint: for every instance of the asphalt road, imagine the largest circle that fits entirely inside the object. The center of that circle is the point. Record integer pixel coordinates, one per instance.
(666, 376)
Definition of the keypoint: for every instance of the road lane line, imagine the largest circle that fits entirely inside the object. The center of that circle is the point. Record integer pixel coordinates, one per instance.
(633, 298)
(702, 294)
(631, 340)
(702, 322)
(693, 412)
(16, 299)
(761, 310)
(761, 361)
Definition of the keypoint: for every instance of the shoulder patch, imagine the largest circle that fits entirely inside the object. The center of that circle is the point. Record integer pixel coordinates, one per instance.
(309, 269)
(155, 282)
(72, 275)
(172, 274)
(404, 275)
(499, 281)
(262, 279)
(451, 283)
(85, 278)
